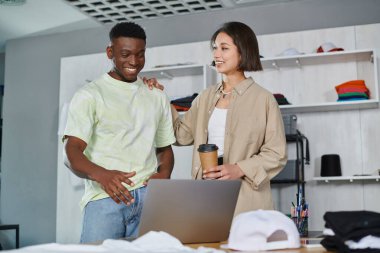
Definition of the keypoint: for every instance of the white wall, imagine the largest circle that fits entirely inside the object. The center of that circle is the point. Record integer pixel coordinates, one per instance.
(30, 112)
(353, 134)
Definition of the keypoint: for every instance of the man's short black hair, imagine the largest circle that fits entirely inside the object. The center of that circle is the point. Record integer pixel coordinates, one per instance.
(127, 29)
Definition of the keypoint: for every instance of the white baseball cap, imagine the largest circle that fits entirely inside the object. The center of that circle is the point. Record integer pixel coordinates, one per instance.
(328, 47)
(289, 52)
(262, 230)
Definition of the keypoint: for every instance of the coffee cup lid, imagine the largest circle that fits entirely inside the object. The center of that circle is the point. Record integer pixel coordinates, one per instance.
(207, 148)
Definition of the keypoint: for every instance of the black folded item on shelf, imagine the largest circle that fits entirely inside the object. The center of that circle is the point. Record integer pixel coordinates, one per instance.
(185, 101)
(350, 226)
(281, 99)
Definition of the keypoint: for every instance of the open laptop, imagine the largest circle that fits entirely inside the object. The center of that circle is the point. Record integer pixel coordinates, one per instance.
(194, 211)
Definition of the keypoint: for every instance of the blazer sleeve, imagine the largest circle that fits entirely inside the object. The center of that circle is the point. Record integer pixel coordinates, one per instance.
(272, 155)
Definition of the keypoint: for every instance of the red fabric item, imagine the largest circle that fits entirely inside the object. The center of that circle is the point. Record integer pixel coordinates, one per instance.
(320, 50)
(278, 95)
(352, 86)
(181, 108)
(352, 83)
(343, 90)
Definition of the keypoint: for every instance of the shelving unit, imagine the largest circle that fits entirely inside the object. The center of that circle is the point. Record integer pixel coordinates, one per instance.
(317, 58)
(299, 180)
(314, 77)
(350, 179)
(331, 106)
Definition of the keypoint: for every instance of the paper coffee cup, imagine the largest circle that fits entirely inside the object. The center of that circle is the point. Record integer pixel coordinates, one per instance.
(208, 153)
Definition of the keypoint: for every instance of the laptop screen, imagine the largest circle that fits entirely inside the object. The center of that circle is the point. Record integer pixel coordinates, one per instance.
(194, 211)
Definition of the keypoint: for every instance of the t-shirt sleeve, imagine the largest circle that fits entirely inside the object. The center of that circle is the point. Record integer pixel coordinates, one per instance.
(81, 116)
(165, 133)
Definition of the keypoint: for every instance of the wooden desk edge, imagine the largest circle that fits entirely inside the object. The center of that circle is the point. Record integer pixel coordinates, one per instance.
(299, 250)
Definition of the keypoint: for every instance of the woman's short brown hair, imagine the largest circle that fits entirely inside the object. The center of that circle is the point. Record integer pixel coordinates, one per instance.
(246, 42)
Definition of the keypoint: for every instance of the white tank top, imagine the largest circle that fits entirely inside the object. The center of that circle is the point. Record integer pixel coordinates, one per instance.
(216, 129)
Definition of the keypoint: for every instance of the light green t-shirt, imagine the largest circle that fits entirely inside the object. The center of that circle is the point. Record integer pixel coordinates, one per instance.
(122, 124)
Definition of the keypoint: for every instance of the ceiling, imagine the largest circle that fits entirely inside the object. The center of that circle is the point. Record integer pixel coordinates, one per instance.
(37, 17)
(110, 11)
(41, 17)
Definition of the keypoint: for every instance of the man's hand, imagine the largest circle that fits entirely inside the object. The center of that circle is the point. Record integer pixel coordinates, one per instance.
(110, 180)
(112, 183)
(152, 83)
(224, 172)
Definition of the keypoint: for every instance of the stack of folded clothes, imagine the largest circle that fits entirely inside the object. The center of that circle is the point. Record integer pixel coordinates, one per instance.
(281, 99)
(352, 90)
(183, 104)
(352, 231)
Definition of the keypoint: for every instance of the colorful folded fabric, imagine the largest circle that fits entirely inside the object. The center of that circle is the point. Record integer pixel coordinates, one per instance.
(351, 99)
(352, 90)
(353, 95)
(344, 90)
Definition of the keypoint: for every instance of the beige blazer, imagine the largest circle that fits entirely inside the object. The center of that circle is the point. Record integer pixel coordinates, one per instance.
(254, 138)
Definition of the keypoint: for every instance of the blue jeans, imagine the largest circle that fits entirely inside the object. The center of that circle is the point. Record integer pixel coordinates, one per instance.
(105, 219)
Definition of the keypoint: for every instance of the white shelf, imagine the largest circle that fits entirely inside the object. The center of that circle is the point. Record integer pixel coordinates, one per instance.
(174, 71)
(347, 178)
(316, 68)
(331, 106)
(317, 58)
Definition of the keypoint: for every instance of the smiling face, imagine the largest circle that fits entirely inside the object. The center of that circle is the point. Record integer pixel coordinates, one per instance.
(226, 54)
(128, 58)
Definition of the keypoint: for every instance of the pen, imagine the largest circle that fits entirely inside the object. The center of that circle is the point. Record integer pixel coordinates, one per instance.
(300, 196)
(292, 212)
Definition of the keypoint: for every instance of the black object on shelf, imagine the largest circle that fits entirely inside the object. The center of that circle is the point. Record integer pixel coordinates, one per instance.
(15, 227)
(330, 166)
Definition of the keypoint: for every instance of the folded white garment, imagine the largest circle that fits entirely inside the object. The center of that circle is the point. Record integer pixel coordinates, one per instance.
(368, 241)
(56, 247)
(328, 231)
(152, 242)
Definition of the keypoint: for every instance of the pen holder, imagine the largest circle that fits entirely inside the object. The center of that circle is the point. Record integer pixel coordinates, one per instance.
(302, 225)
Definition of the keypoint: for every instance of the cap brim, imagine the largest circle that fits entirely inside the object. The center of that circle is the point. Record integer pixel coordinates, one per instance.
(224, 246)
(336, 49)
